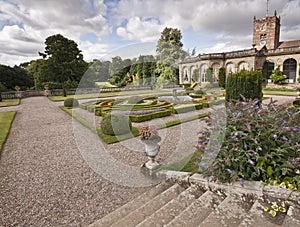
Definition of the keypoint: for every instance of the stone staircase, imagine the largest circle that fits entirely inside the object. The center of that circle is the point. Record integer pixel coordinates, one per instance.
(192, 200)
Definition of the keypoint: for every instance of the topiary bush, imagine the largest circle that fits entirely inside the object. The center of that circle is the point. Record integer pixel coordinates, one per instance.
(116, 124)
(71, 102)
(244, 85)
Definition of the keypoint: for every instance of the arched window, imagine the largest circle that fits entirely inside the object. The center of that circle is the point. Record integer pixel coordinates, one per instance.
(289, 69)
(243, 65)
(185, 74)
(203, 73)
(268, 67)
(194, 74)
(230, 68)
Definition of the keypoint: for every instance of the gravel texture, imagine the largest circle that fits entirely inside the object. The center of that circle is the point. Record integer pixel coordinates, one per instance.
(43, 179)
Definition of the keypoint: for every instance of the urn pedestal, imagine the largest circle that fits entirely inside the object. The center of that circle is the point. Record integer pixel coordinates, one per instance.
(151, 150)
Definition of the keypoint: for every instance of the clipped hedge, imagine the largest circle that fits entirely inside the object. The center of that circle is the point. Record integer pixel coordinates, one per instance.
(187, 108)
(244, 83)
(71, 102)
(150, 116)
(116, 124)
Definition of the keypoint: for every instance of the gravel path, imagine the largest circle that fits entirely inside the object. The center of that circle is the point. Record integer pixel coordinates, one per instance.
(43, 178)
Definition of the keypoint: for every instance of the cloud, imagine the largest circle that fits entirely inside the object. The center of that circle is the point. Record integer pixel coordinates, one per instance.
(208, 25)
(30, 22)
(144, 30)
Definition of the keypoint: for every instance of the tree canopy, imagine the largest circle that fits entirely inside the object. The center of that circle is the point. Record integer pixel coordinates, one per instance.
(169, 53)
(63, 60)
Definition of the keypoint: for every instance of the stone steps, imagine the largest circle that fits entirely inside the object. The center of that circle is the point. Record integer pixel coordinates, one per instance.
(184, 202)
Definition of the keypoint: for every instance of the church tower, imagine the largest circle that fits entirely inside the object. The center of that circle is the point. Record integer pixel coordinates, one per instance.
(266, 32)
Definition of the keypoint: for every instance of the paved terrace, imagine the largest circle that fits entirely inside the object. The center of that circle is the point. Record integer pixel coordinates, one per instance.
(44, 179)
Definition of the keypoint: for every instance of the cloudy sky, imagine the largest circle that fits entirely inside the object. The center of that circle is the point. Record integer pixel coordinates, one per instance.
(129, 28)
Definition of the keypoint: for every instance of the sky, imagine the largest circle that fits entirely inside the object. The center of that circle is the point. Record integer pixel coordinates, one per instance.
(129, 28)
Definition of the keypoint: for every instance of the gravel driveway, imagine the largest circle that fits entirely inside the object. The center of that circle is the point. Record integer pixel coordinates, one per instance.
(43, 178)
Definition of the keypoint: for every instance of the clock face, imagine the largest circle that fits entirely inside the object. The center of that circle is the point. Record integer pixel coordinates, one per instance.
(262, 42)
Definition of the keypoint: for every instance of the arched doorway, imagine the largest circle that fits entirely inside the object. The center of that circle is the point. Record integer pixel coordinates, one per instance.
(268, 68)
(289, 69)
(203, 69)
(243, 66)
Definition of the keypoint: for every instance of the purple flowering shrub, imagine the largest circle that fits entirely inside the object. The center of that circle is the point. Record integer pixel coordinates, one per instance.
(261, 143)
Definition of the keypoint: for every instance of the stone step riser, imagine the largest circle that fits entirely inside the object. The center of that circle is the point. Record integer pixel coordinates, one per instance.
(128, 208)
(193, 215)
(229, 213)
(150, 207)
(173, 208)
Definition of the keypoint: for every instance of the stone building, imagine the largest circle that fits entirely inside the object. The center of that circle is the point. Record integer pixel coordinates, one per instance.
(267, 53)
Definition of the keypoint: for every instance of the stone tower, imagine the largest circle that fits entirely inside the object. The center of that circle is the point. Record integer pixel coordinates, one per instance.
(266, 32)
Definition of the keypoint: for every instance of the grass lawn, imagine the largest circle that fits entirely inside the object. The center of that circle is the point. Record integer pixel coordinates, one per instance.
(9, 102)
(109, 94)
(6, 119)
(280, 93)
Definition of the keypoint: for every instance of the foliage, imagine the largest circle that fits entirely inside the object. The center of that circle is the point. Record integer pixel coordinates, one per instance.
(149, 116)
(296, 102)
(148, 132)
(195, 75)
(277, 77)
(247, 84)
(10, 77)
(71, 102)
(98, 71)
(116, 124)
(63, 60)
(261, 143)
(222, 77)
(2, 87)
(209, 75)
(169, 53)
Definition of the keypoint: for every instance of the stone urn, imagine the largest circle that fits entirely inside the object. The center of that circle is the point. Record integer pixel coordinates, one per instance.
(151, 150)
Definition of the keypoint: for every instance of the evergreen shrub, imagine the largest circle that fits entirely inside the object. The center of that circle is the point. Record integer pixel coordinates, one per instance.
(244, 84)
(71, 102)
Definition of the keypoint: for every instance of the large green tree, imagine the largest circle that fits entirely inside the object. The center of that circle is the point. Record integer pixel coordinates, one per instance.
(169, 53)
(14, 76)
(64, 60)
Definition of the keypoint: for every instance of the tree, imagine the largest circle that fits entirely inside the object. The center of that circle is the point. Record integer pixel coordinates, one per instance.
(14, 76)
(222, 77)
(277, 77)
(118, 70)
(35, 69)
(64, 60)
(169, 53)
(210, 75)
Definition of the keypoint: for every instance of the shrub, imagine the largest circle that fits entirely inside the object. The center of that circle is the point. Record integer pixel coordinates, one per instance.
(116, 124)
(244, 84)
(222, 77)
(296, 102)
(277, 77)
(261, 143)
(199, 92)
(71, 102)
